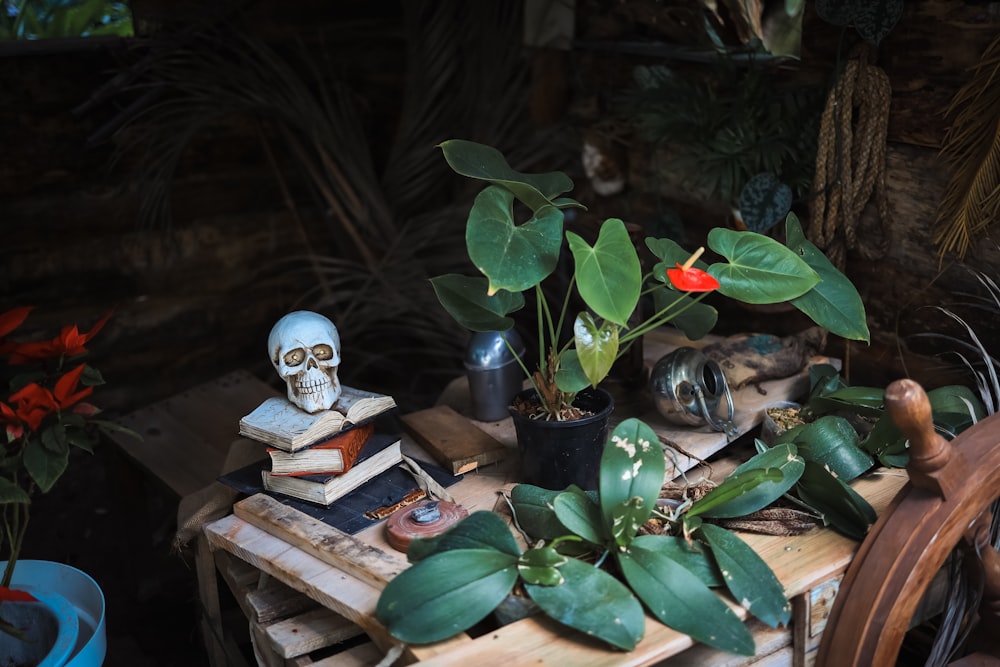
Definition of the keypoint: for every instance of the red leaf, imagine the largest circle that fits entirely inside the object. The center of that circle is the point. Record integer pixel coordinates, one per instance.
(12, 319)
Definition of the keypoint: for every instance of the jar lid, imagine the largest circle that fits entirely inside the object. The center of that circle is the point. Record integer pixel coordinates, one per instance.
(487, 350)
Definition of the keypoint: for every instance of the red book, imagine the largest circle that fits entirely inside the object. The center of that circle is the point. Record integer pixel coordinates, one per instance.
(333, 456)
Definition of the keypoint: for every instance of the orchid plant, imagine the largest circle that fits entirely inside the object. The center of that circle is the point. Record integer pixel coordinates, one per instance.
(44, 414)
(515, 258)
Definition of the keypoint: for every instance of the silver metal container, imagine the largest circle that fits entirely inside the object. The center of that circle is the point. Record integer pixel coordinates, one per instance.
(493, 372)
(688, 388)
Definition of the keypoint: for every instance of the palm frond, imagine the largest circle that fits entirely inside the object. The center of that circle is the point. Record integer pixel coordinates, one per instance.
(971, 200)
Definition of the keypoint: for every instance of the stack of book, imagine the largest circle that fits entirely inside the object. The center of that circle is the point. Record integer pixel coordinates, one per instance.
(323, 456)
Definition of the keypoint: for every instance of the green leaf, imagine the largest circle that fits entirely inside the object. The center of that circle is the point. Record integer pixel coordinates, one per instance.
(479, 530)
(832, 442)
(842, 507)
(11, 493)
(44, 465)
(486, 163)
(540, 566)
(513, 257)
(691, 555)
(581, 516)
(670, 255)
(834, 303)
(609, 275)
(955, 400)
(535, 512)
(760, 270)
(754, 496)
(727, 499)
(570, 376)
(693, 318)
(680, 600)
(632, 470)
(748, 577)
(593, 602)
(467, 301)
(440, 596)
(596, 347)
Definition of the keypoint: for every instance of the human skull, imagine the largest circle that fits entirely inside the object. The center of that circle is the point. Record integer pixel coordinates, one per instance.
(305, 350)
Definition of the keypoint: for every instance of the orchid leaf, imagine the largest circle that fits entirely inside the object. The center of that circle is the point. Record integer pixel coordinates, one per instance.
(535, 511)
(439, 597)
(690, 554)
(834, 303)
(486, 163)
(468, 302)
(479, 530)
(632, 469)
(596, 346)
(540, 566)
(748, 577)
(608, 275)
(680, 600)
(593, 602)
(832, 442)
(760, 270)
(513, 257)
(581, 515)
(749, 493)
(842, 507)
(737, 492)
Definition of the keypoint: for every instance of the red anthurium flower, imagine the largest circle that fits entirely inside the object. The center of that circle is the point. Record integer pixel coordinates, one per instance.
(689, 279)
(65, 391)
(33, 404)
(69, 342)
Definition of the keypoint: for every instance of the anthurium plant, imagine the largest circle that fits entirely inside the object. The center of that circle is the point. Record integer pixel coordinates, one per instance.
(516, 257)
(44, 415)
(592, 566)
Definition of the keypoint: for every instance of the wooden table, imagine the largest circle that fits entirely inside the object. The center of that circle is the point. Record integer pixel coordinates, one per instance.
(345, 574)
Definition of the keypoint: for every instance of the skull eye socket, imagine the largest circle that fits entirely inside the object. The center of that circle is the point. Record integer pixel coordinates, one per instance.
(323, 352)
(295, 357)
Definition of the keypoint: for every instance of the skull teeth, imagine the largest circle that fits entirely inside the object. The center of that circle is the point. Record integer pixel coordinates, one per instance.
(313, 386)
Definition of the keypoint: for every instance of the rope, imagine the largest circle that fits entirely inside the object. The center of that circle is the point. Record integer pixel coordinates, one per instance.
(850, 161)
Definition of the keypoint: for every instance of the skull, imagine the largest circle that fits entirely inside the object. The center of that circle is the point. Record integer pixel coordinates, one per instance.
(305, 350)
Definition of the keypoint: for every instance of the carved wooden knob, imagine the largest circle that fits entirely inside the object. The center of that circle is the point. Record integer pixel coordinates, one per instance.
(908, 406)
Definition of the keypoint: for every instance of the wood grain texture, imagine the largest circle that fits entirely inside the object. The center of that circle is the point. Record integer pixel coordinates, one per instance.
(452, 440)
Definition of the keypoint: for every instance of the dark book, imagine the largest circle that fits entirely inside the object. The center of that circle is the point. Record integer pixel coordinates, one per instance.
(354, 511)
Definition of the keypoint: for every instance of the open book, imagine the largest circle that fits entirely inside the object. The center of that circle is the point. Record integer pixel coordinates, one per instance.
(280, 423)
(381, 453)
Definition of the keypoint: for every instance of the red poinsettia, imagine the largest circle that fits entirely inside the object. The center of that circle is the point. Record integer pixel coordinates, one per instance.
(687, 278)
(69, 343)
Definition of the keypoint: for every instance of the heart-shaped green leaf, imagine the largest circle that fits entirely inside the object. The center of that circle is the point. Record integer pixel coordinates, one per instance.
(760, 270)
(513, 257)
(834, 303)
(608, 275)
(467, 301)
(596, 346)
(693, 318)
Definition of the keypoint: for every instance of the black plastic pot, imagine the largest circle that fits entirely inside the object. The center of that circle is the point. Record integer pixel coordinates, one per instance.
(555, 454)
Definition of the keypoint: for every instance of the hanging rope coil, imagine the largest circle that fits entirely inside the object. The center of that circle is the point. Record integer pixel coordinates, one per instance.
(850, 161)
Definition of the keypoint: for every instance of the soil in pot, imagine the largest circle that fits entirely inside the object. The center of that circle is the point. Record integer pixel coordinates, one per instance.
(556, 454)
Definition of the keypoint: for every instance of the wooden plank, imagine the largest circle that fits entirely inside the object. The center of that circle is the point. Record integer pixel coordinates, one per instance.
(454, 441)
(277, 600)
(767, 642)
(362, 655)
(320, 540)
(311, 631)
(348, 596)
(185, 438)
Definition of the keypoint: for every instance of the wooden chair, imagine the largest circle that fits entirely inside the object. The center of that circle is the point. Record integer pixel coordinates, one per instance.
(947, 501)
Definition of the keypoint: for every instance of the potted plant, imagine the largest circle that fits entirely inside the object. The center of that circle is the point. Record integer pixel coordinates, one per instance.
(515, 258)
(44, 415)
(596, 561)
